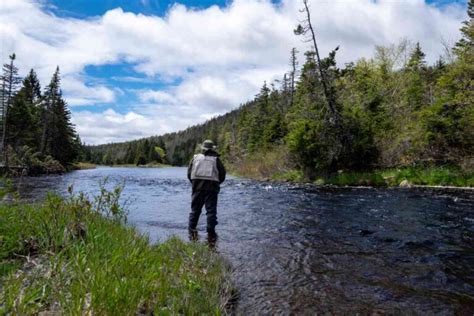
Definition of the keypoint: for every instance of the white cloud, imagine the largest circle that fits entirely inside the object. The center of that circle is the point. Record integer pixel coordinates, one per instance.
(110, 126)
(77, 93)
(155, 96)
(221, 55)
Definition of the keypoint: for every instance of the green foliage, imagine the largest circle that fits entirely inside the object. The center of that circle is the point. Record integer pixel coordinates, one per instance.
(82, 262)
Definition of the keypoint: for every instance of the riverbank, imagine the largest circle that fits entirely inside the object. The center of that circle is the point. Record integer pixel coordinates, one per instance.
(76, 256)
(149, 165)
(406, 177)
(83, 166)
(403, 177)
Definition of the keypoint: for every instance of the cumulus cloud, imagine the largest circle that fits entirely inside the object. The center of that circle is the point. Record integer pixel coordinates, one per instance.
(78, 93)
(110, 126)
(220, 56)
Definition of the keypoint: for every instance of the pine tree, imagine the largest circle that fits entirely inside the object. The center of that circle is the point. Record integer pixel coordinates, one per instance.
(259, 119)
(308, 30)
(51, 96)
(466, 43)
(9, 81)
(22, 116)
(417, 59)
(416, 85)
(58, 138)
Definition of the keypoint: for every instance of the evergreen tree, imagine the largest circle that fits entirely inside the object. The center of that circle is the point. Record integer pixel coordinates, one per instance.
(9, 85)
(416, 85)
(466, 43)
(58, 138)
(259, 119)
(22, 117)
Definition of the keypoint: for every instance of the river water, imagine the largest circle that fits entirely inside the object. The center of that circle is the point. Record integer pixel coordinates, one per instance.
(301, 250)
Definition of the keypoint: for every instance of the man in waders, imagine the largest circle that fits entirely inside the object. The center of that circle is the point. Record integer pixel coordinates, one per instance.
(206, 172)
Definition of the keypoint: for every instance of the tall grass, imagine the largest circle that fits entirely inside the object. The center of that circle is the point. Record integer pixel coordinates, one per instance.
(75, 256)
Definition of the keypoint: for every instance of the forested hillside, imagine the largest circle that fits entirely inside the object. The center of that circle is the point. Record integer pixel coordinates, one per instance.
(392, 110)
(35, 127)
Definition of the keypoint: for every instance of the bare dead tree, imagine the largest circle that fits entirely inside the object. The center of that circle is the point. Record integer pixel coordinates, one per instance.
(306, 28)
(294, 65)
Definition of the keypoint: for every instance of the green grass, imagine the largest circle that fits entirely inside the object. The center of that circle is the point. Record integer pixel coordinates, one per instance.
(291, 176)
(76, 256)
(442, 176)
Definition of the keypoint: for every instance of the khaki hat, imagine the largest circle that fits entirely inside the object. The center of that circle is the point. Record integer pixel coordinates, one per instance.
(207, 145)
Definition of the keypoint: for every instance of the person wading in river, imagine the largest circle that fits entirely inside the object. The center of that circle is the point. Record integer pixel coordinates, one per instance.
(206, 173)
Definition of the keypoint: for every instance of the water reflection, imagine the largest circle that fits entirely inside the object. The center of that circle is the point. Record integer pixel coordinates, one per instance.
(301, 249)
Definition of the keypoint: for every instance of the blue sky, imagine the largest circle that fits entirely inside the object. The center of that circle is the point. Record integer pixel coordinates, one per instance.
(138, 68)
(87, 8)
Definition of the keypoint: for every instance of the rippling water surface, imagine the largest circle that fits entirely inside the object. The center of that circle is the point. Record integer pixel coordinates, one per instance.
(302, 250)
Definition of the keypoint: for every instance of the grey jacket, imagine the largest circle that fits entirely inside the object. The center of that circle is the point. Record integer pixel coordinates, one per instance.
(207, 185)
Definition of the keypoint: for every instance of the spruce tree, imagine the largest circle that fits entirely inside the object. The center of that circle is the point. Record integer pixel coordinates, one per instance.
(58, 135)
(9, 86)
(23, 126)
(416, 72)
(466, 43)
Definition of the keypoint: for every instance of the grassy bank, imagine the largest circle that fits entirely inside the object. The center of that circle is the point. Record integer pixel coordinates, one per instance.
(76, 256)
(408, 176)
(432, 176)
(271, 166)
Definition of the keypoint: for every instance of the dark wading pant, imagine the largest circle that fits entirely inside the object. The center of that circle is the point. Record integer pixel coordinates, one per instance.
(199, 199)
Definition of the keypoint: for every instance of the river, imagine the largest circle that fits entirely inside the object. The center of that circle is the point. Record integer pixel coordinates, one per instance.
(303, 249)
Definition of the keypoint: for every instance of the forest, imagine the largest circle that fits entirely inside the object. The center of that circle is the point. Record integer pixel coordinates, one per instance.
(391, 111)
(36, 132)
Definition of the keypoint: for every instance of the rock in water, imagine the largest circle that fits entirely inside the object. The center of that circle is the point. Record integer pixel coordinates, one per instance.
(405, 184)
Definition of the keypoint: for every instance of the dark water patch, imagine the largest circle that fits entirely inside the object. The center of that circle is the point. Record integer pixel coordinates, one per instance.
(304, 249)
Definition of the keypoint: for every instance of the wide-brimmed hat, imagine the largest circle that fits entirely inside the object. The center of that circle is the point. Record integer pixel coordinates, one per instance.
(208, 144)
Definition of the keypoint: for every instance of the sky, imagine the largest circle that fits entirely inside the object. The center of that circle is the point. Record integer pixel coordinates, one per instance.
(137, 68)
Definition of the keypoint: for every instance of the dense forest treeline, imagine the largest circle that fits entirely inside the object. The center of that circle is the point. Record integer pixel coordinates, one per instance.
(35, 127)
(391, 110)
